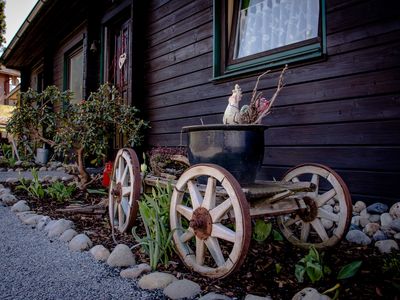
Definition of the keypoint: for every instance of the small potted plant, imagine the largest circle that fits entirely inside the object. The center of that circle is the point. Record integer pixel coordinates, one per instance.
(238, 143)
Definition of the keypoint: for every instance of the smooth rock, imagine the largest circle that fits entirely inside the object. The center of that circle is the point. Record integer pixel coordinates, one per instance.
(12, 180)
(42, 169)
(364, 221)
(121, 256)
(47, 178)
(397, 236)
(310, 294)
(364, 213)
(328, 208)
(8, 199)
(395, 211)
(336, 208)
(388, 231)
(387, 246)
(331, 202)
(385, 219)
(42, 223)
(136, 271)
(61, 169)
(32, 220)
(4, 191)
(59, 227)
(328, 224)
(359, 206)
(18, 163)
(10, 170)
(395, 225)
(181, 289)
(68, 235)
(371, 228)
(25, 215)
(20, 206)
(80, 242)
(379, 236)
(156, 280)
(99, 252)
(377, 208)
(374, 218)
(254, 297)
(355, 220)
(358, 237)
(355, 227)
(214, 296)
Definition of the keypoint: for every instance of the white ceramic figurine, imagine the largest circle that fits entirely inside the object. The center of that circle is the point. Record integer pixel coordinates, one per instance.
(231, 115)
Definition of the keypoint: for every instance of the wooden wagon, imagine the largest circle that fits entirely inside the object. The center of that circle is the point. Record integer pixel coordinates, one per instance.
(210, 212)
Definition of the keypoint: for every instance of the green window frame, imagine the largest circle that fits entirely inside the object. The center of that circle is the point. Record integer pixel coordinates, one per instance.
(224, 27)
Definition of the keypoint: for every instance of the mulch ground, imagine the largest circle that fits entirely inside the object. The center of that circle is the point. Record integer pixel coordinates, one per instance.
(260, 274)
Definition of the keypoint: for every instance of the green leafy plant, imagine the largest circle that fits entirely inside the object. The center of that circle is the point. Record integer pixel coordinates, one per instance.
(60, 192)
(391, 264)
(277, 235)
(34, 188)
(261, 230)
(312, 266)
(76, 130)
(154, 211)
(350, 270)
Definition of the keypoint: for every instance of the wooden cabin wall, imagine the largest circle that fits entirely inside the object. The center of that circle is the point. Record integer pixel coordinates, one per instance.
(343, 111)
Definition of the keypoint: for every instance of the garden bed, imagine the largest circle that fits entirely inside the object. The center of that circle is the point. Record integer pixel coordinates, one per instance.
(269, 268)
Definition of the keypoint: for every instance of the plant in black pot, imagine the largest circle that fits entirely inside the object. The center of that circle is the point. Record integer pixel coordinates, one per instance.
(238, 144)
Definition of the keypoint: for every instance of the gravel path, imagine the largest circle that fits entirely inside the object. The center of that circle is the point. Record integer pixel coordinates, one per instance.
(33, 267)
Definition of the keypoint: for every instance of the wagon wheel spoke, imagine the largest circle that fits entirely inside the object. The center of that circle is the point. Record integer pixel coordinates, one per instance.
(209, 196)
(315, 181)
(187, 236)
(125, 206)
(195, 194)
(329, 185)
(325, 197)
(120, 216)
(218, 212)
(124, 190)
(319, 228)
(305, 231)
(185, 211)
(124, 173)
(222, 232)
(200, 251)
(292, 221)
(215, 251)
(324, 214)
(213, 240)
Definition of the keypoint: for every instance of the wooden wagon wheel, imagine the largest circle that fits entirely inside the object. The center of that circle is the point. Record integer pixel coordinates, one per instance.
(124, 190)
(327, 217)
(210, 219)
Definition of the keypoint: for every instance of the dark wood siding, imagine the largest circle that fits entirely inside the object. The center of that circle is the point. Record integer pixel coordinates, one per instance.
(343, 111)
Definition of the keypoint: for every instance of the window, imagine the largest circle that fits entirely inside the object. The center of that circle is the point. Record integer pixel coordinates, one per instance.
(250, 35)
(74, 73)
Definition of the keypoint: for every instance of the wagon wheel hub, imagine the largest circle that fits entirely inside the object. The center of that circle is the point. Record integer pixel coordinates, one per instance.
(309, 213)
(117, 192)
(201, 223)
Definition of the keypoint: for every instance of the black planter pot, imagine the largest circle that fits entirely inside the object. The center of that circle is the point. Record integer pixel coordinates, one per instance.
(237, 148)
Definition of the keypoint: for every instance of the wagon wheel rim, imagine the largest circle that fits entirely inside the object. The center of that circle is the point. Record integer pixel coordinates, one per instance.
(124, 190)
(318, 225)
(206, 244)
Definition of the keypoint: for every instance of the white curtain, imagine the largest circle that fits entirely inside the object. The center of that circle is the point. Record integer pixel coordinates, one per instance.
(269, 24)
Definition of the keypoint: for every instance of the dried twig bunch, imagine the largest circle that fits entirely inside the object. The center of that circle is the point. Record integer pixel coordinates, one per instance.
(259, 106)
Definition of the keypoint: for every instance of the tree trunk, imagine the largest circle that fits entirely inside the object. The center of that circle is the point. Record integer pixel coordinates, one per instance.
(83, 175)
